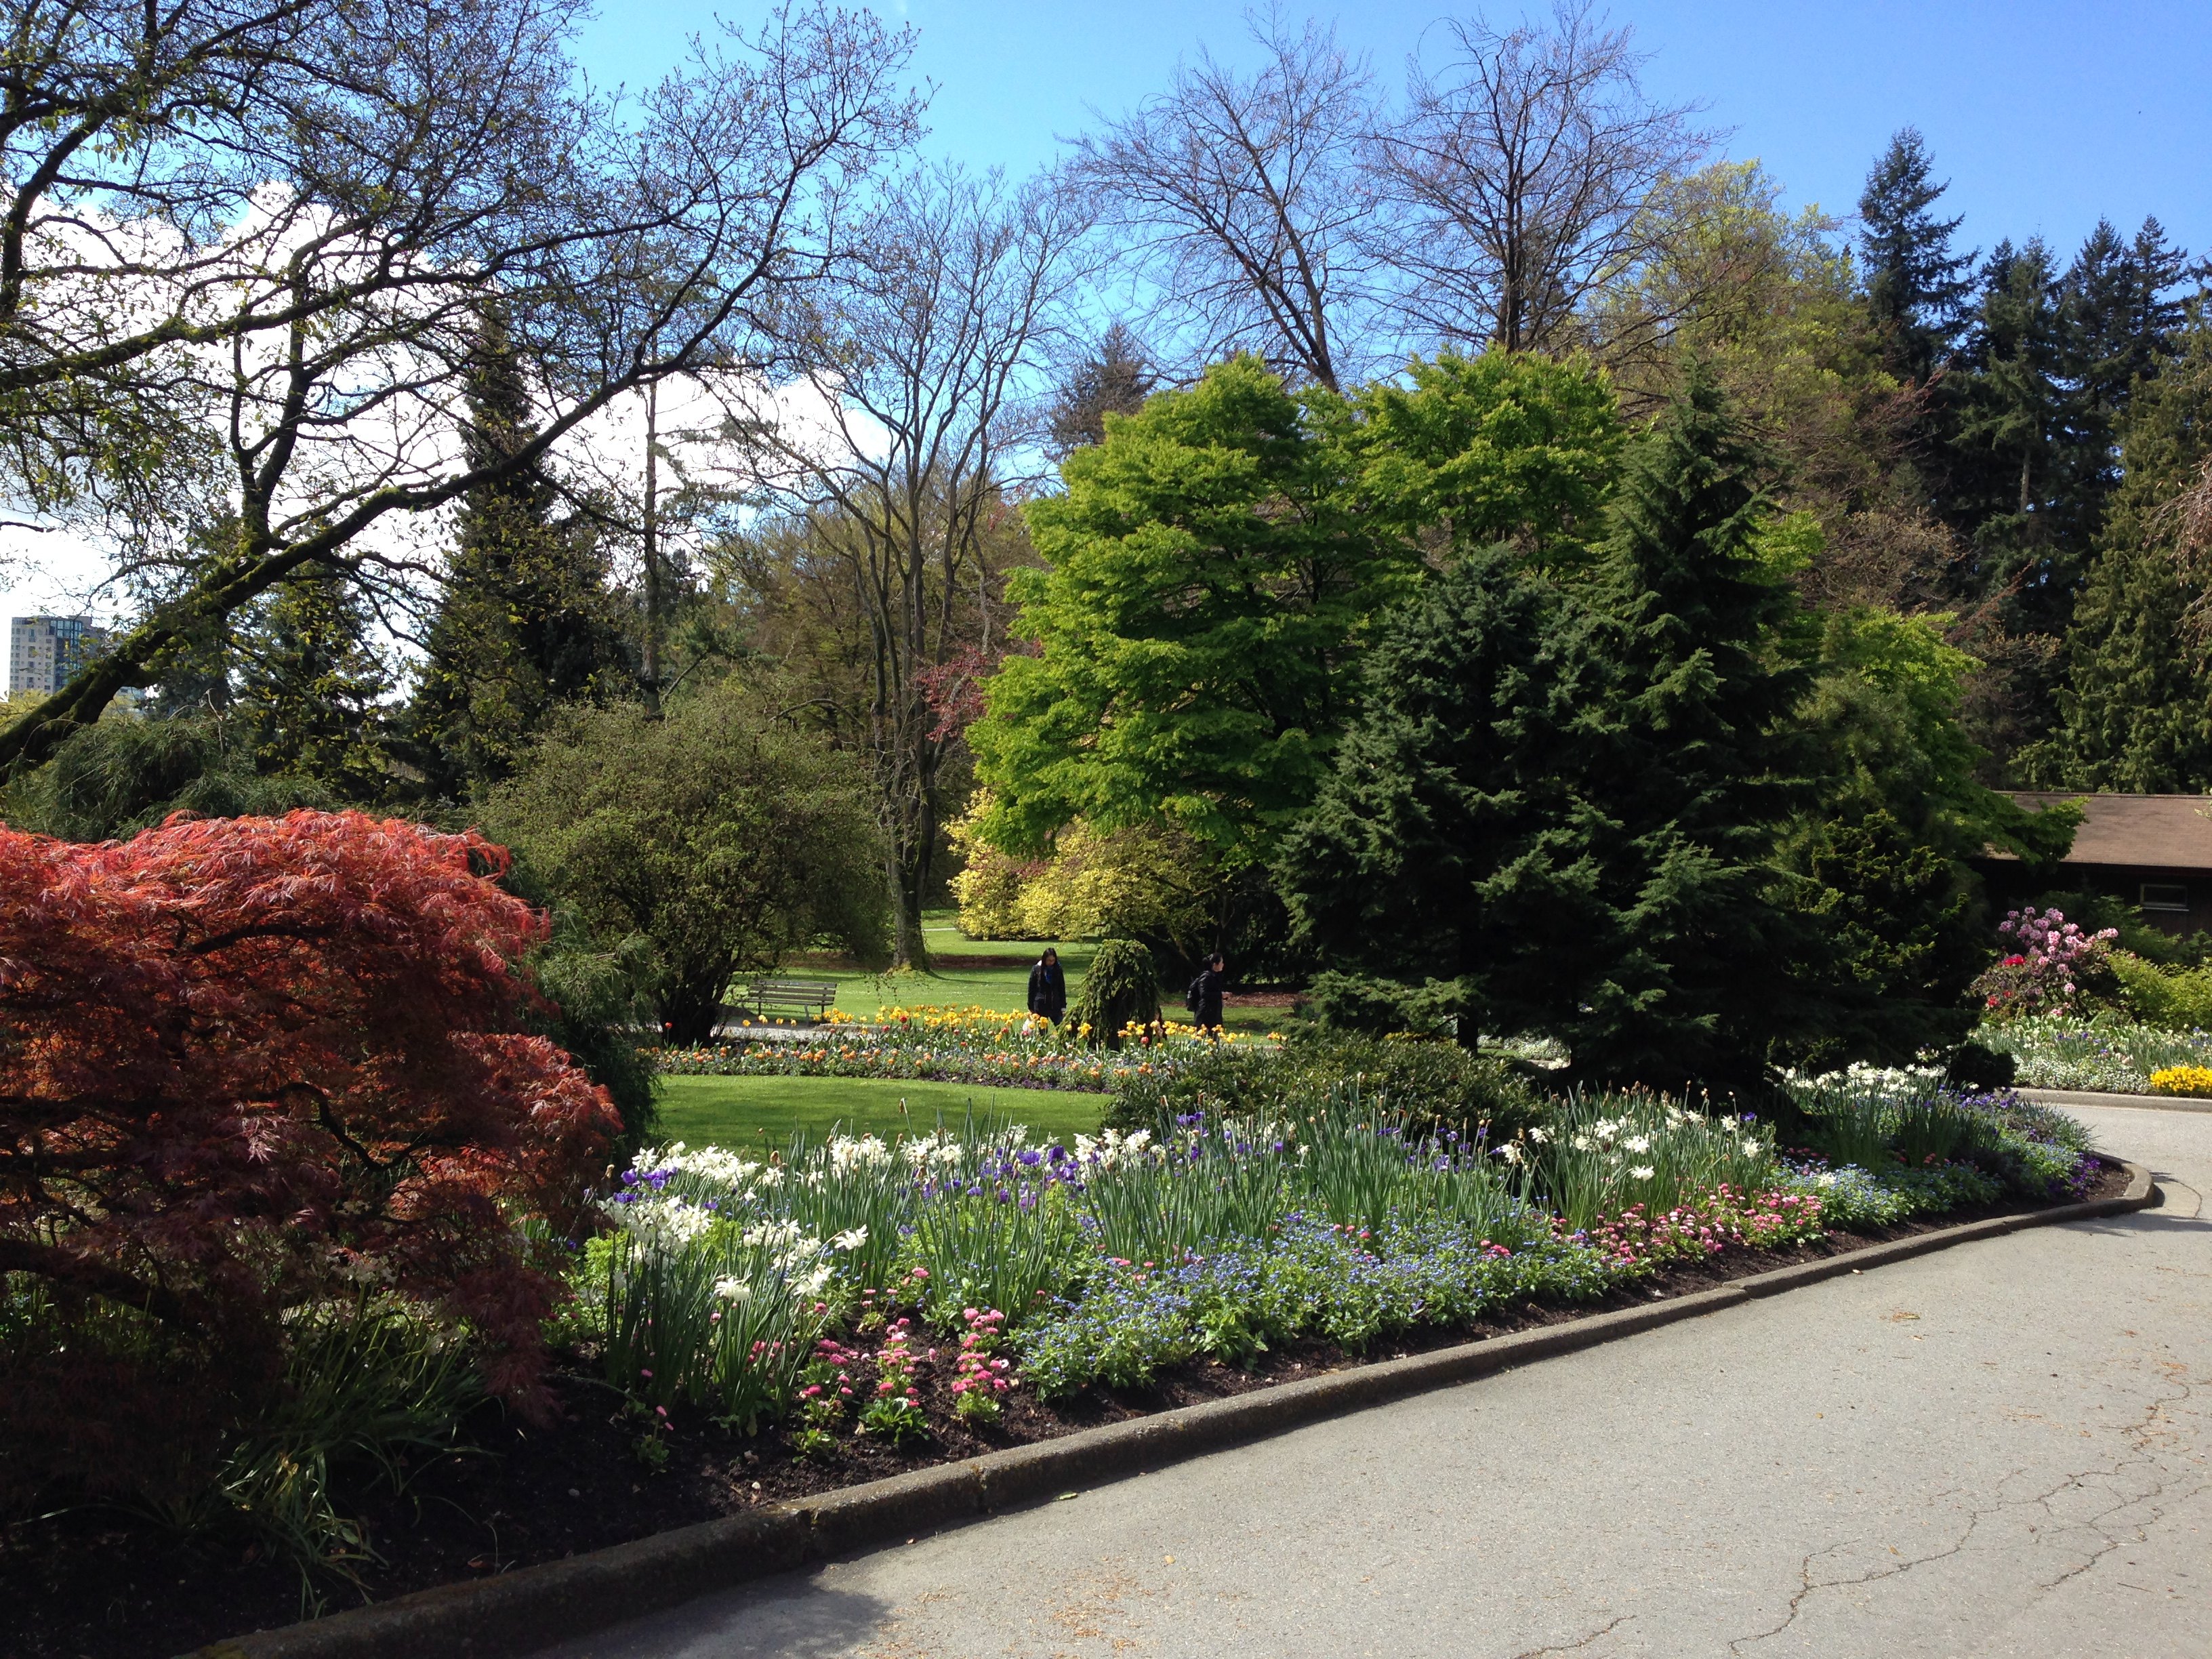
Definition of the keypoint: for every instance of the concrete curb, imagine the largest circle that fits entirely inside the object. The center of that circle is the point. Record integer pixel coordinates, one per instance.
(2132, 1103)
(534, 1607)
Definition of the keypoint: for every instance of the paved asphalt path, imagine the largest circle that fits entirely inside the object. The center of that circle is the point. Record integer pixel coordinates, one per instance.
(2004, 1449)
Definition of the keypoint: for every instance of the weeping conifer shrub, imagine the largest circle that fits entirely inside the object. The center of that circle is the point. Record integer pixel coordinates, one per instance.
(1120, 988)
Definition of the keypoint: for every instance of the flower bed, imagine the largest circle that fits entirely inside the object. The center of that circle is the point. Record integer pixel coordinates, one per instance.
(723, 1277)
(951, 1045)
(858, 1308)
(597, 1476)
(1937, 1148)
(2104, 1052)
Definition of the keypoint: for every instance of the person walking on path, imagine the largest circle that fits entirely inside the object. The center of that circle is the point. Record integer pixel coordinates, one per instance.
(1048, 988)
(1204, 997)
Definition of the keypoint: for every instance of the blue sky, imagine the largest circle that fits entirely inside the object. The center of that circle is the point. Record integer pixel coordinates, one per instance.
(2043, 115)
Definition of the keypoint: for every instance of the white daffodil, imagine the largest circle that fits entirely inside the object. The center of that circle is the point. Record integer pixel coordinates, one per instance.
(868, 1151)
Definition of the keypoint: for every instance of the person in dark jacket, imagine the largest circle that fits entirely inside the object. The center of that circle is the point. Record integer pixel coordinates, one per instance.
(1048, 988)
(1204, 997)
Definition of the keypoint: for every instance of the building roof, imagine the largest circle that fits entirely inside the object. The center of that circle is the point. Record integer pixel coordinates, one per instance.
(2163, 832)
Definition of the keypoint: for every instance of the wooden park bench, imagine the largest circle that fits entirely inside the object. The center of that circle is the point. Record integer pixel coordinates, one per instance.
(808, 999)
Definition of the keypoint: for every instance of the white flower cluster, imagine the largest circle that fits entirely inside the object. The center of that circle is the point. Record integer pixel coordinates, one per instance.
(935, 1151)
(717, 1164)
(1110, 1147)
(845, 1153)
(1893, 1082)
(1544, 1053)
(664, 1220)
(790, 1252)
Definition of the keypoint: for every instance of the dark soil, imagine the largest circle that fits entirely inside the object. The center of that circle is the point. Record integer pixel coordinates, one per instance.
(103, 1585)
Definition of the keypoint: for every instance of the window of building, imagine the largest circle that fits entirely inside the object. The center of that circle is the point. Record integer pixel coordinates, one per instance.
(2164, 896)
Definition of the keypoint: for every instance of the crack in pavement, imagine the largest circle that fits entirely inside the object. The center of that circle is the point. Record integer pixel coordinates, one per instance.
(1805, 1586)
(1575, 1647)
(2140, 1433)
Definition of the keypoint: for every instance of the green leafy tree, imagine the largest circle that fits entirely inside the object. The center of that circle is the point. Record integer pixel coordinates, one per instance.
(708, 844)
(526, 620)
(1212, 571)
(109, 781)
(1216, 565)
(1499, 447)
(1880, 850)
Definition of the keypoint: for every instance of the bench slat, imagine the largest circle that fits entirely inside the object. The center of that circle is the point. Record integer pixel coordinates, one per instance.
(817, 995)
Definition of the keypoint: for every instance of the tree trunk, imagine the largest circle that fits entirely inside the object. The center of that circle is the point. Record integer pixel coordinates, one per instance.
(648, 671)
(691, 1007)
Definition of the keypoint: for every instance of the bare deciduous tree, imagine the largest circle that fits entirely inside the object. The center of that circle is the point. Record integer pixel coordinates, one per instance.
(919, 364)
(254, 237)
(1241, 199)
(1511, 185)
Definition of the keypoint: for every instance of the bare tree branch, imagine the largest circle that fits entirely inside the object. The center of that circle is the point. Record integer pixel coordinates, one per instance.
(296, 300)
(1511, 185)
(1241, 198)
(919, 365)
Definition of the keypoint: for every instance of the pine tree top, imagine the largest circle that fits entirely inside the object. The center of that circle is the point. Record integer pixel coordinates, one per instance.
(1917, 287)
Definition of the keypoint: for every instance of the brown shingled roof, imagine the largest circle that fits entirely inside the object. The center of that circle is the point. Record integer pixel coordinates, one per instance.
(2163, 832)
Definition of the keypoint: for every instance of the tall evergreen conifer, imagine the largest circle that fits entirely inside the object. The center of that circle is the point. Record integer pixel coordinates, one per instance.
(2121, 321)
(1917, 287)
(2137, 706)
(526, 622)
(1114, 380)
(2016, 406)
(1449, 851)
(1701, 773)
(310, 688)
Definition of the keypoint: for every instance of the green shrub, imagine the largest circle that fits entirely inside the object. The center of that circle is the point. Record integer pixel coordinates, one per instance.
(366, 1388)
(2178, 999)
(1120, 988)
(1379, 1007)
(1977, 1066)
(1437, 1086)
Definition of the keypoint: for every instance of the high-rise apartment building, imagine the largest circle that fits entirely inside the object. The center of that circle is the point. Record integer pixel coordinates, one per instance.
(43, 652)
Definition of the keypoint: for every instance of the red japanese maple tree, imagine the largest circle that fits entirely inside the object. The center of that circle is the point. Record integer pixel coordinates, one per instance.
(248, 1063)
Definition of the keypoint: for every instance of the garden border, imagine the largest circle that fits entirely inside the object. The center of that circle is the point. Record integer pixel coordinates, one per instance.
(2109, 1097)
(537, 1606)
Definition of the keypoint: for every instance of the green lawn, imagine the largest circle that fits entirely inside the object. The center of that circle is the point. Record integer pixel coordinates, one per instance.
(763, 1112)
(1002, 987)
